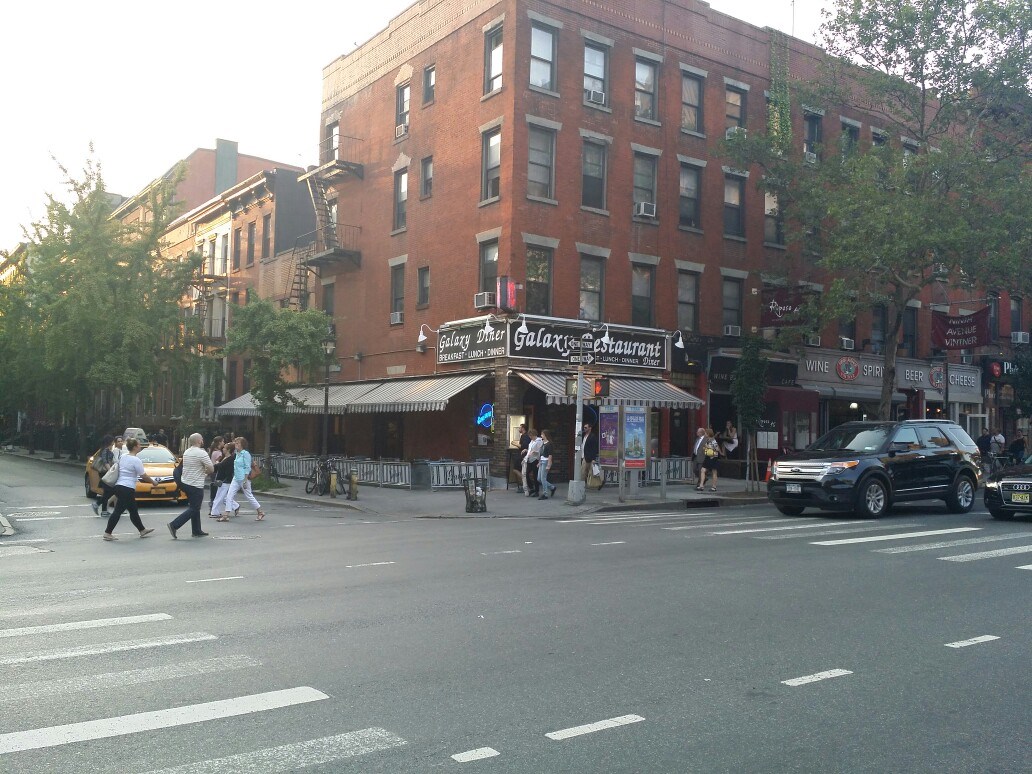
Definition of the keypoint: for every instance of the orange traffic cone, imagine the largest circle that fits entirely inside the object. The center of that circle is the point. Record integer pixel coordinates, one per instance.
(766, 477)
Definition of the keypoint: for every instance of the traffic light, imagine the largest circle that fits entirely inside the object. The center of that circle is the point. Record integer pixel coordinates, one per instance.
(600, 388)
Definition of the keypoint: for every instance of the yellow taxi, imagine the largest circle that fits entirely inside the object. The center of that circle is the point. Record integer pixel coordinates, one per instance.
(158, 461)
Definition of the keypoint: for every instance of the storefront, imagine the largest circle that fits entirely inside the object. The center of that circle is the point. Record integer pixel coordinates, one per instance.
(997, 375)
(961, 400)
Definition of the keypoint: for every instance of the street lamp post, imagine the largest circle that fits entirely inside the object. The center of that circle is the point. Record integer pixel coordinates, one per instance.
(329, 345)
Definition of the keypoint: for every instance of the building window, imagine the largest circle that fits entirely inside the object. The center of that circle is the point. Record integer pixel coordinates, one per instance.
(400, 198)
(540, 162)
(331, 213)
(592, 284)
(398, 288)
(211, 256)
(734, 197)
(644, 178)
(331, 142)
(252, 237)
(593, 175)
(850, 139)
(642, 279)
(879, 324)
(688, 212)
(732, 301)
(238, 238)
(429, 84)
(423, 283)
(994, 314)
(488, 267)
(403, 101)
(493, 60)
(539, 280)
(687, 300)
(327, 300)
(596, 70)
(847, 328)
(224, 260)
(542, 57)
(491, 175)
(879, 139)
(266, 237)
(734, 107)
(426, 177)
(773, 220)
(812, 135)
(645, 89)
(1015, 315)
(909, 342)
(691, 103)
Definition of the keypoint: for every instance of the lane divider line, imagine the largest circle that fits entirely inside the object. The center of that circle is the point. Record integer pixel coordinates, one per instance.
(493, 553)
(367, 564)
(591, 728)
(99, 623)
(807, 679)
(972, 641)
(212, 580)
(476, 755)
(614, 543)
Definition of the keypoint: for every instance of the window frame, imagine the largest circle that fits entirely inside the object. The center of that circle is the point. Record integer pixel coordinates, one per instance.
(603, 149)
(547, 254)
(738, 209)
(653, 94)
(482, 284)
(813, 133)
(489, 174)
(400, 215)
(403, 104)
(729, 119)
(426, 177)
(696, 200)
(266, 236)
(252, 237)
(653, 162)
(328, 299)
(993, 302)
(493, 40)
(552, 62)
(533, 130)
(1016, 308)
(600, 263)
(691, 305)
(908, 331)
(429, 84)
(398, 288)
(773, 221)
(637, 269)
(699, 127)
(605, 51)
(731, 315)
(422, 286)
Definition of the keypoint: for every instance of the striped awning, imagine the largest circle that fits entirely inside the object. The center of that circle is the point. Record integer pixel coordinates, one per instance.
(341, 397)
(623, 391)
(429, 393)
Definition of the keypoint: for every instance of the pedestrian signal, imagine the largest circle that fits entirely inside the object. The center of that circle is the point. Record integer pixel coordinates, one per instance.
(600, 388)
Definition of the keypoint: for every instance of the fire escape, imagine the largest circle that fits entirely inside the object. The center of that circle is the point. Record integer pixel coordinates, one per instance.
(332, 244)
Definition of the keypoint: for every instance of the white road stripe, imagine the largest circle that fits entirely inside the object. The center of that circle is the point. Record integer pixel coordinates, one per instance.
(22, 550)
(780, 529)
(105, 647)
(476, 755)
(212, 580)
(25, 541)
(99, 623)
(849, 531)
(54, 736)
(294, 757)
(1024, 567)
(951, 543)
(493, 553)
(41, 518)
(591, 728)
(988, 554)
(368, 564)
(614, 543)
(40, 689)
(619, 517)
(734, 523)
(972, 641)
(816, 677)
(897, 536)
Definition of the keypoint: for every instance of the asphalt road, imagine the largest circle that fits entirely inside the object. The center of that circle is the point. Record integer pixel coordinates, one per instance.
(619, 643)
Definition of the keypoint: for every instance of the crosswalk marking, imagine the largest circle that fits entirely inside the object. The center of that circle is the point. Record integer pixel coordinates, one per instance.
(952, 543)
(779, 529)
(850, 531)
(1025, 567)
(367, 564)
(627, 518)
(805, 680)
(99, 623)
(613, 543)
(988, 554)
(212, 580)
(972, 641)
(591, 728)
(476, 755)
(106, 728)
(105, 647)
(293, 757)
(42, 518)
(732, 524)
(34, 691)
(22, 550)
(896, 536)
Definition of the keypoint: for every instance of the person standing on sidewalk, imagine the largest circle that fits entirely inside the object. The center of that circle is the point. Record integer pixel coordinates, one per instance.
(544, 465)
(241, 483)
(130, 469)
(523, 444)
(530, 464)
(196, 465)
(589, 451)
(698, 456)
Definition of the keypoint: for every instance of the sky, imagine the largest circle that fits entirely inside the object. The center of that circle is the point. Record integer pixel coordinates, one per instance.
(147, 83)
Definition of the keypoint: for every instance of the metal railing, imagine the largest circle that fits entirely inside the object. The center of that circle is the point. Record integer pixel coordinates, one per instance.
(447, 474)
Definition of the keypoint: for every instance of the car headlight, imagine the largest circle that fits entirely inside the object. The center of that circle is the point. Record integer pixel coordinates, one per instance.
(838, 467)
(992, 484)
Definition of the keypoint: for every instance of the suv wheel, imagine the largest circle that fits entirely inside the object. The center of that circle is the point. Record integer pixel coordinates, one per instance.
(872, 500)
(1000, 514)
(962, 496)
(790, 510)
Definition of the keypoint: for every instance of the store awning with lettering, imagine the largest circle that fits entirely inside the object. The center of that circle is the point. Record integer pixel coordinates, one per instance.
(430, 393)
(623, 391)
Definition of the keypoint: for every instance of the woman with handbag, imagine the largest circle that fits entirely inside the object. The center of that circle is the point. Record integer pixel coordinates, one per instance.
(130, 470)
(710, 451)
(242, 473)
(103, 460)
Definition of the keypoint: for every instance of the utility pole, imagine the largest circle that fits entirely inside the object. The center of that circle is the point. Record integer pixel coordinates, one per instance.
(576, 491)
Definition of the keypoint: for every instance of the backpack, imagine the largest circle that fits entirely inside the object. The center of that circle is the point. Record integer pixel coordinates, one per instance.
(103, 461)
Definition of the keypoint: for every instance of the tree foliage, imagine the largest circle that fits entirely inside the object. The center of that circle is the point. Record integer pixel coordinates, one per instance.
(889, 223)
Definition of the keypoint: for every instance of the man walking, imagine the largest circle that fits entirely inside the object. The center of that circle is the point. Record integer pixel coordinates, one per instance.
(698, 452)
(196, 465)
(521, 469)
(589, 451)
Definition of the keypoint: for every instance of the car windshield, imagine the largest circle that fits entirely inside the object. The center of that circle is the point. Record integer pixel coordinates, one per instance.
(155, 454)
(858, 439)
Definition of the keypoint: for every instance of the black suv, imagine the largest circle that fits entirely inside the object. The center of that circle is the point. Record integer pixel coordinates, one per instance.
(867, 466)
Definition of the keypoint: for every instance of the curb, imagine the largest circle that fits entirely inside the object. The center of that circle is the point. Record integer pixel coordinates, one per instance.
(332, 502)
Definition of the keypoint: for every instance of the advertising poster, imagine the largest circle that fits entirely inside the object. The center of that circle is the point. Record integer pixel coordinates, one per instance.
(608, 436)
(635, 438)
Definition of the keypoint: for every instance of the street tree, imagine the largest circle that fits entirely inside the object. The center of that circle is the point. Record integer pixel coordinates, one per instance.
(281, 344)
(945, 211)
(748, 384)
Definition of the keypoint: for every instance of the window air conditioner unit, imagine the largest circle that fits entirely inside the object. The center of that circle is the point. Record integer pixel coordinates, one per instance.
(733, 330)
(967, 359)
(397, 318)
(597, 97)
(810, 157)
(645, 210)
(484, 301)
(1019, 337)
(941, 270)
(731, 131)
(847, 343)
(400, 130)
(813, 341)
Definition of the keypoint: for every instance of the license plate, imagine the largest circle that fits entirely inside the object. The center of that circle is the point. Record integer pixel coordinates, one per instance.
(793, 488)
(156, 490)
(1019, 497)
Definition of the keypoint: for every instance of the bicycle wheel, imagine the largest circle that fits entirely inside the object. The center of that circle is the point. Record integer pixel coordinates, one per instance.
(312, 481)
(324, 483)
(272, 473)
(340, 483)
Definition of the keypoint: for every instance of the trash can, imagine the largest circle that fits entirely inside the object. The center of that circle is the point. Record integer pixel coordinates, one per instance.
(476, 494)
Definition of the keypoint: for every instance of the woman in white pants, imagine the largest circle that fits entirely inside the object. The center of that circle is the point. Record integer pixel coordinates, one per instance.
(224, 477)
(240, 483)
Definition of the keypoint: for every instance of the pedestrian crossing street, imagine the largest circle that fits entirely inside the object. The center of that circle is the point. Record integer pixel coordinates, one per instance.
(954, 543)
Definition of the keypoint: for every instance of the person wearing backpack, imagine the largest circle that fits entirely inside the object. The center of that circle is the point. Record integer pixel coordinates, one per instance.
(242, 474)
(102, 462)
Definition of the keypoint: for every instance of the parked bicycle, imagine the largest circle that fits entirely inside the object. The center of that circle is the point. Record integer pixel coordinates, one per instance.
(319, 479)
(270, 471)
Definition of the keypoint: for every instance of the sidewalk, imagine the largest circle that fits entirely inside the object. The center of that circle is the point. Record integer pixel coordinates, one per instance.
(451, 503)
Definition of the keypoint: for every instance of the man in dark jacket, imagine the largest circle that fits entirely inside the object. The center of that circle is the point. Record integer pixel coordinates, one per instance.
(982, 442)
(589, 449)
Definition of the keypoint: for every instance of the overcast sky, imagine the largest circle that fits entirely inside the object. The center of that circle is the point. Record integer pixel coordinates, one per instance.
(147, 83)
